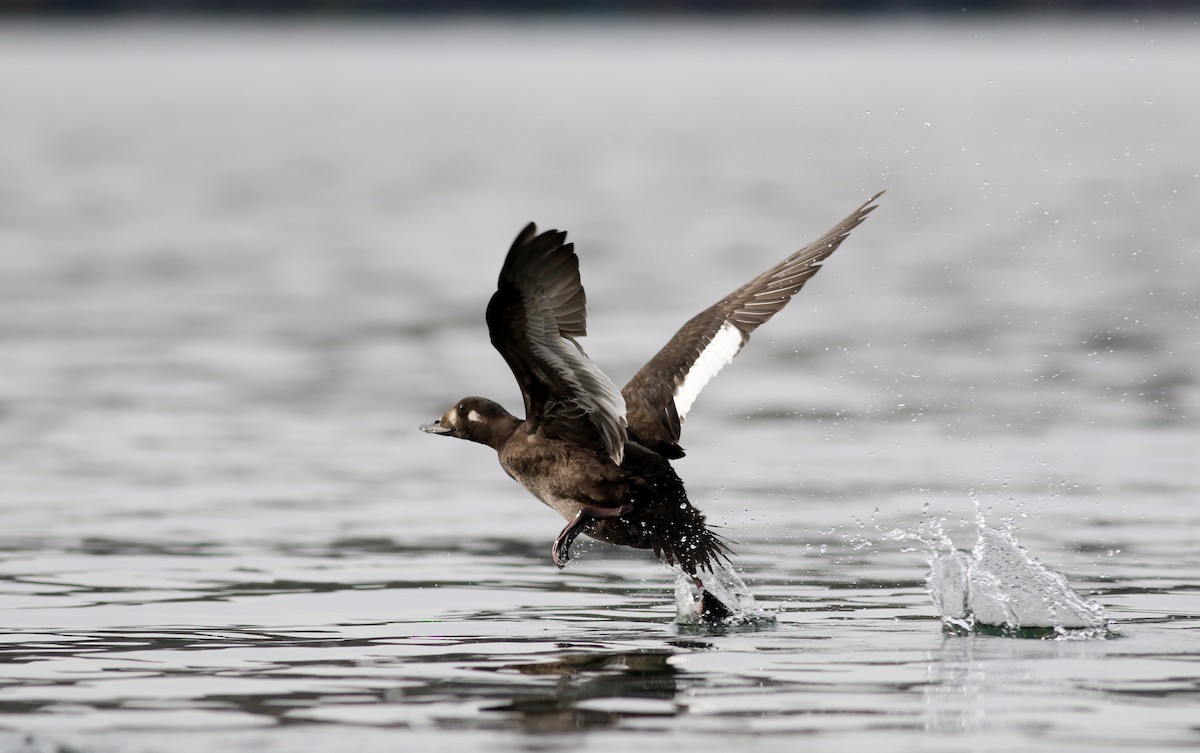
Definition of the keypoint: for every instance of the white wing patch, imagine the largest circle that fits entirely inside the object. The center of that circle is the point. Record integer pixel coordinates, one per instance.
(716, 355)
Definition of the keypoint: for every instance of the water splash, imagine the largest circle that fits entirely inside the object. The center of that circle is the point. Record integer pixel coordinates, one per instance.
(735, 605)
(999, 587)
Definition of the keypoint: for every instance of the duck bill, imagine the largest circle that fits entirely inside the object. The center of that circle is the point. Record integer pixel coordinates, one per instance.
(435, 428)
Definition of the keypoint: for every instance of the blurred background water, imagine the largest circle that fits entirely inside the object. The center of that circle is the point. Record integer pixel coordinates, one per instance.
(240, 264)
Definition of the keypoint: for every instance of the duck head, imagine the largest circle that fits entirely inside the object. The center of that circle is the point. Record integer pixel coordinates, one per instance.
(476, 419)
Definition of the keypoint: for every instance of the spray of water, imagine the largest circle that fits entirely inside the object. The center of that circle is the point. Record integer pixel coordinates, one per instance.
(721, 600)
(999, 587)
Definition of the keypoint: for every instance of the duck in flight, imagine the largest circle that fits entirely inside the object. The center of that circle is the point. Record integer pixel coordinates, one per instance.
(598, 455)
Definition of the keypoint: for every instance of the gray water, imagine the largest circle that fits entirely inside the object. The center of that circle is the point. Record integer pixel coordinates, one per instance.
(239, 266)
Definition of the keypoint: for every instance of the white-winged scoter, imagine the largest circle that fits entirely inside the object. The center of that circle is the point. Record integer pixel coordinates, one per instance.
(598, 455)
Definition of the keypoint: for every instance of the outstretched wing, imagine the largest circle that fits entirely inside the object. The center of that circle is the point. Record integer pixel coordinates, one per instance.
(537, 311)
(661, 393)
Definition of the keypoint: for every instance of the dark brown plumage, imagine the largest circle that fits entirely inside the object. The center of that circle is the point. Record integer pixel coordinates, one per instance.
(598, 455)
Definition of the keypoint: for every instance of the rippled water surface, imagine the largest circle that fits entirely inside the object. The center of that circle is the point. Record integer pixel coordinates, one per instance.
(239, 266)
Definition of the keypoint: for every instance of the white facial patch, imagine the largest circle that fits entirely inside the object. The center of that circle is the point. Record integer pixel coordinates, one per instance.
(474, 416)
(719, 352)
(453, 416)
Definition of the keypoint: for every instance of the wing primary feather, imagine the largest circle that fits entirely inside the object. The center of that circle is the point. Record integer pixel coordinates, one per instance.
(713, 338)
(537, 311)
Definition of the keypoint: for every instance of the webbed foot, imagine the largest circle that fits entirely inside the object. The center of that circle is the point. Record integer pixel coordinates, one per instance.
(583, 520)
(712, 610)
(561, 551)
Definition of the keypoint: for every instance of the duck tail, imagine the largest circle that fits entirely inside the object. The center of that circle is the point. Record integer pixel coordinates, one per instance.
(691, 543)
